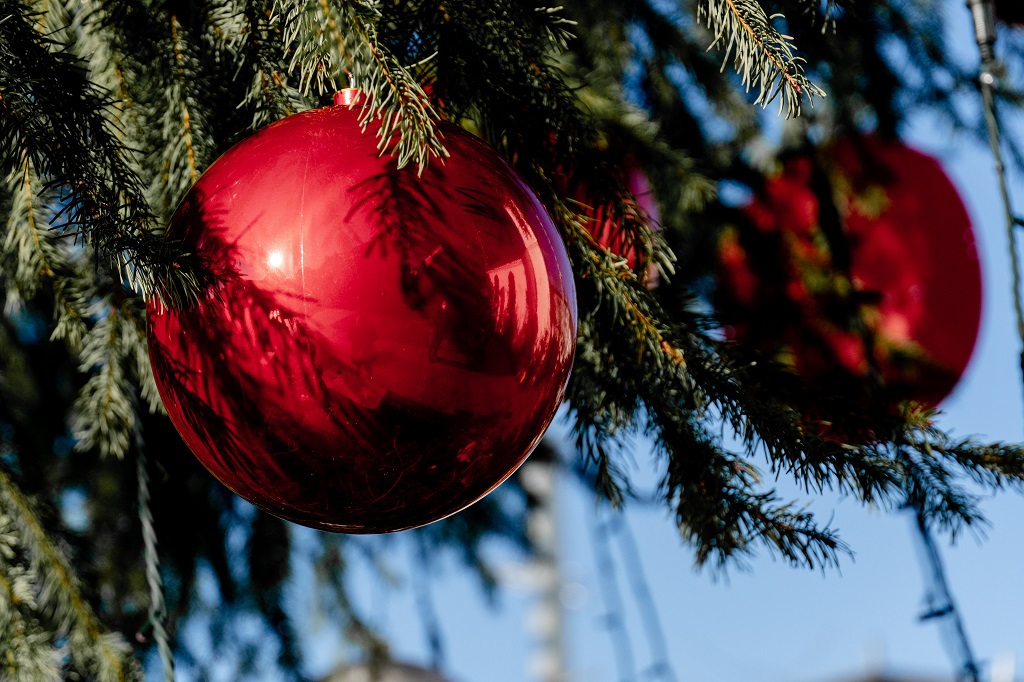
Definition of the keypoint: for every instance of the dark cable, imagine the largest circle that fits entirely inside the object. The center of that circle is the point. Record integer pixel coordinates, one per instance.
(660, 668)
(614, 619)
(157, 606)
(942, 605)
(983, 14)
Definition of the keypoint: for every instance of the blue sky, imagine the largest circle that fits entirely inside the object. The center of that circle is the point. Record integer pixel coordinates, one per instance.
(770, 622)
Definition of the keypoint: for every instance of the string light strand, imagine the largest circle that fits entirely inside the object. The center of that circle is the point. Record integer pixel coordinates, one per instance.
(983, 16)
(614, 617)
(660, 668)
(942, 604)
(157, 606)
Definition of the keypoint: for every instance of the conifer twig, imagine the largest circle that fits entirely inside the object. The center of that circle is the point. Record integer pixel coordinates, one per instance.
(27, 653)
(49, 109)
(249, 28)
(325, 40)
(394, 96)
(33, 255)
(91, 646)
(763, 57)
(104, 410)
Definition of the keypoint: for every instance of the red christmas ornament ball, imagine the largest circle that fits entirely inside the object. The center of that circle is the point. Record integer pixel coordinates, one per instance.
(376, 350)
(908, 270)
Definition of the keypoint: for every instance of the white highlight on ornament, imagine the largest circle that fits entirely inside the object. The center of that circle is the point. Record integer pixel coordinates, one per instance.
(275, 259)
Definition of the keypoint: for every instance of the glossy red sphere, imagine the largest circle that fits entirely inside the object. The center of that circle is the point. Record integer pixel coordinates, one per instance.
(376, 350)
(911, 272)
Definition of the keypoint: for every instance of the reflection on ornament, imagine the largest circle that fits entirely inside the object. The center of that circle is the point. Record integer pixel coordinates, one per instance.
(377, 349)
(891, 283)
(275, 260)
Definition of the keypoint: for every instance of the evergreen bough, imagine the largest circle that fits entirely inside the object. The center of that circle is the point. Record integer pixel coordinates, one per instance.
(111, 109)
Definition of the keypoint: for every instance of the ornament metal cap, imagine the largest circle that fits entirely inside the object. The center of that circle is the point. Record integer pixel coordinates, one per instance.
(346, 97)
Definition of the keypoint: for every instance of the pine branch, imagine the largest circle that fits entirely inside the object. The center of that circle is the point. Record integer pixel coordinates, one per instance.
(156, 112)
(186, 149)
(761, 55)
(52, 21)
(324, 40)
(96, 43)
(718, 507)
(49, 110)
(394, 96)
(104, 410)
(558, 29)
(508, 83)
(936, 465)
(28, 250)
(103, 654)
(27, 652)
(137, 352)
(825, 12)
(681, 126)
(719, 510)
(311, 34)
(992, 465)
(33, 254)
(718, 504)
(250, 30)
(762, 420)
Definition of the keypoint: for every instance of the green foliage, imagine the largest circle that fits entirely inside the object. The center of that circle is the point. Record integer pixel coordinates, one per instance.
(104, 410)
(32, 254)
(249, 29)
(763, 56)
(53, 114)
(111, 109)
(46, 589)
(28, 652)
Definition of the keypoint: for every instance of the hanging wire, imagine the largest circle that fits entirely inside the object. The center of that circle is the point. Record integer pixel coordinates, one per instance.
(941, 604)
(157, 606)
(983, 15)
(939, 597)
(614, 618)
(660, 668)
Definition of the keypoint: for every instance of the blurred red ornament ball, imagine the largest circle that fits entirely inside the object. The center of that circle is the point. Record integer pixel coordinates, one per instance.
(913, 276)
(377, 350)
(607, 230)
(604, 229)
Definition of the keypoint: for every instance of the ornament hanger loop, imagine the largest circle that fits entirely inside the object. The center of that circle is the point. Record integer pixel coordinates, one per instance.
(347, 96)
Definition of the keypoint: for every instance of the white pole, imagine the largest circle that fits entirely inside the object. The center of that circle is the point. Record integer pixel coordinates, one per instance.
(545, 621)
